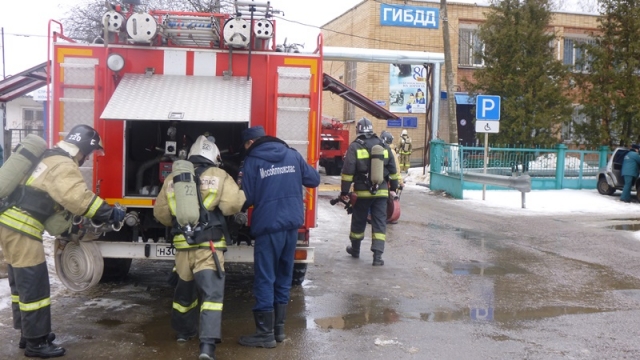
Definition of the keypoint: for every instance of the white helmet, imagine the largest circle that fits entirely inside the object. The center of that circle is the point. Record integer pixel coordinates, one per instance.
(404, 132)
(205, 148)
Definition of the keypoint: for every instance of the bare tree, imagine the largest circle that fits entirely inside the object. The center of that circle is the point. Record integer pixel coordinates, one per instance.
(83, 22)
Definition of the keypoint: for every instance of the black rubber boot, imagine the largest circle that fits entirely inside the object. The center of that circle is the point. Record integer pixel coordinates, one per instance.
(377, 258)
(354, 249)
(278, 328)
(207, 351)
(23, 342)
(264, 331)
(42, 348)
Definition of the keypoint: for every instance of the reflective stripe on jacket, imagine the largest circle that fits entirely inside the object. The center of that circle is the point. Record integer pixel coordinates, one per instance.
(217, 189)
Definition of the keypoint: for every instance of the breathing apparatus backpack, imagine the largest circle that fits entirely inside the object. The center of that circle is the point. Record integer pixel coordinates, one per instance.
(375, 176)
(193, 220)
(26, 155)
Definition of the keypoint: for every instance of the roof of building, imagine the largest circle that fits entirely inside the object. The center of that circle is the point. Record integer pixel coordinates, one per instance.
(23, 83)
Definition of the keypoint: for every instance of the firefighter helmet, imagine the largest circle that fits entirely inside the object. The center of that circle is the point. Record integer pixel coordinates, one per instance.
(205, 148)
(404, 132)
(364, 126)
(86, 139)
(387, 137)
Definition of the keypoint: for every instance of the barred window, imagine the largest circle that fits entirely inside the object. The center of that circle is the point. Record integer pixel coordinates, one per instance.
(32, 118)
(573, 55)
(470, 48)
(568, 130)
(350, 76)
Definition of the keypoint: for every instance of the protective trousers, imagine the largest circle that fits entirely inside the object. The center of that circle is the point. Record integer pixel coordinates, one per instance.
(405, 161)
(378, 207)
(29, 283)
(273, 255)
(197, 274)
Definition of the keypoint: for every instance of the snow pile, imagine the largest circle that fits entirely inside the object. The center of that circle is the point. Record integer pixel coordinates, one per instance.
(549, 161)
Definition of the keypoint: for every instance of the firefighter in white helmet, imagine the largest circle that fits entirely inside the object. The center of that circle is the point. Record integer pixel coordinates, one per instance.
(199, 258)
(404, 150)
(369, 165)
(55, 187)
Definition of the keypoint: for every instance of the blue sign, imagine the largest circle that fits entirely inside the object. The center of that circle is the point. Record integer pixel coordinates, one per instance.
(381, 103)
(488, 107)
(410, 122)
(409, 16)
(394, 123)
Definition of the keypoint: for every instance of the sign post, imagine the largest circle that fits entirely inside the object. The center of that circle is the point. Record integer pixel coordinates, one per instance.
(487, 121)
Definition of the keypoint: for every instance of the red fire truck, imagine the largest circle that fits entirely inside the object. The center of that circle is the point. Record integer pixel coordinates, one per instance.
(334, 141)
(151, 85)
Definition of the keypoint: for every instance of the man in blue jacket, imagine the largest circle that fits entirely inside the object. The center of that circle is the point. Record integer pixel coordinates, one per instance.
(273, 177)
(630, 172)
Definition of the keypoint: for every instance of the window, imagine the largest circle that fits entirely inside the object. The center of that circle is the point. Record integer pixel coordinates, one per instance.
(573, 55)
(470, 48)
(32, 118)
(350, 76)
(568, 130)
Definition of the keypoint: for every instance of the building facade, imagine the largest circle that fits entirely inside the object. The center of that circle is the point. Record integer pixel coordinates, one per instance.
(417, 26)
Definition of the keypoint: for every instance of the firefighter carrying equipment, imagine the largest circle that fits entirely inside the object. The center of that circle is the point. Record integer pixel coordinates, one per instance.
(24, 158)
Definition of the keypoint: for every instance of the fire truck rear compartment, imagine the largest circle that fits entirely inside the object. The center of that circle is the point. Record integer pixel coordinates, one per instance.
(152, 146)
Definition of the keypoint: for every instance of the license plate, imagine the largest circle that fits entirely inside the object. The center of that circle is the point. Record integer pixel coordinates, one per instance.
(165, 251)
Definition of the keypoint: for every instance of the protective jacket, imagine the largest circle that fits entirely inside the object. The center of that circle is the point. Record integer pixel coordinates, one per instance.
(217, 190)
(397, 160)
(630, 164)
(356, 167)
(404, 147)
(56, 184)
(273, 185)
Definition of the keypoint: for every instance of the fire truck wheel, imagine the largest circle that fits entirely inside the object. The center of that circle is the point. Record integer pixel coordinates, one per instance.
(79, 265)
(299, 272)
(115, 269)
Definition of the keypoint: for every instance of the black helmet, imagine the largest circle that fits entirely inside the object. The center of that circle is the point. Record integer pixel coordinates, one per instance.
(364, 126)
(387, 137)
(85, 138)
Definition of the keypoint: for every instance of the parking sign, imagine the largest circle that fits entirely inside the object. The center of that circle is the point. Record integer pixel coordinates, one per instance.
(487, 114)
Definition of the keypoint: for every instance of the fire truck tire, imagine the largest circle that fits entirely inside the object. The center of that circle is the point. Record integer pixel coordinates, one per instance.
(115, 269)
(299, 273)
(79, 265)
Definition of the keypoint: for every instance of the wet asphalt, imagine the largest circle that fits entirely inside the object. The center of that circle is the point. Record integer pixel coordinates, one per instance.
(458, 283)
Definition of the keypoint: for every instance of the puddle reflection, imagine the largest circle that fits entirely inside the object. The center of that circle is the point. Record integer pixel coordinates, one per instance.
(625, 227)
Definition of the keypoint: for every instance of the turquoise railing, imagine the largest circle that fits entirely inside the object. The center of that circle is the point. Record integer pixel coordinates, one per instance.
(558, 168)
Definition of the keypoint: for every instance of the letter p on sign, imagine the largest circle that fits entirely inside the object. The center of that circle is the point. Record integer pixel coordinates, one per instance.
(488, 107)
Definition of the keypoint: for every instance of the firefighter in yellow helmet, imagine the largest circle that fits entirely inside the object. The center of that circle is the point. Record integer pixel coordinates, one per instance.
(56, 185)
(404, 150)
(199, 257)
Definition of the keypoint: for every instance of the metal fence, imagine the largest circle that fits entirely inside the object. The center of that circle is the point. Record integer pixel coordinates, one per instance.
(558, 168)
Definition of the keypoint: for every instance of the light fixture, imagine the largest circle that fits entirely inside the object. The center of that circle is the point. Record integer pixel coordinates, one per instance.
(115, 62)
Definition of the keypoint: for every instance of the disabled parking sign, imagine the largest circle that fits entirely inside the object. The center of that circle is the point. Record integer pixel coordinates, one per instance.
(487, 114)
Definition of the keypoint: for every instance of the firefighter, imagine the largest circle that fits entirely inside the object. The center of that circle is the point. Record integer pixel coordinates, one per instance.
(199, 260)
(273, 178)
(404, 150)
(372, 175)
(388, 139)
(54, 186)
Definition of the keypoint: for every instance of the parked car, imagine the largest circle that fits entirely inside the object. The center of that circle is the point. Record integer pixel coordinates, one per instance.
(609, 178)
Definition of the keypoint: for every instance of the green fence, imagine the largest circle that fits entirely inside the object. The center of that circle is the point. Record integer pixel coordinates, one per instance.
(558, 168)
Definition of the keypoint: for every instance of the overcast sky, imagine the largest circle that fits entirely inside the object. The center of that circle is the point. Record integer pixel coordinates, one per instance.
(25, 25)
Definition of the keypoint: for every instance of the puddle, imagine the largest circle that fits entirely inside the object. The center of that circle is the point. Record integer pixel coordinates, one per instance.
(479, 268)
(625, 227)
(357, 320)
(109, 322)
(489, 314)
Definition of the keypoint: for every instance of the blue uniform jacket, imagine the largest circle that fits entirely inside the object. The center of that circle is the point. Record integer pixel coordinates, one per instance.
(273, 176)
(630, 164)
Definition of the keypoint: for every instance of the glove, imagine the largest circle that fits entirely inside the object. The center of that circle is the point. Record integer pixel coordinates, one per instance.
(117, 215)
(344, 196)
